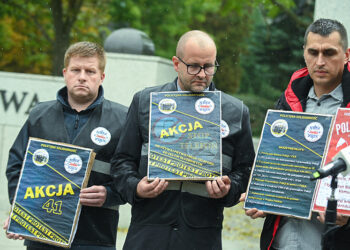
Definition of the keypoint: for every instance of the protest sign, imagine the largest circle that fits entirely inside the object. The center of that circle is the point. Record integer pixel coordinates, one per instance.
(291, 148)
(184, 136)
(46, 206)
(339, 139)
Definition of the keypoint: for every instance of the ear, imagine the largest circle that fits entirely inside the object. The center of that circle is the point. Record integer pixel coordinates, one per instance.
(64, 72)
(175, 63)
(103, 75)
(347, 54)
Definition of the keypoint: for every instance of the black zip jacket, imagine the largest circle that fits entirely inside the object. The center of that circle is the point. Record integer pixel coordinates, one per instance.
(97, 225)
(176, 219)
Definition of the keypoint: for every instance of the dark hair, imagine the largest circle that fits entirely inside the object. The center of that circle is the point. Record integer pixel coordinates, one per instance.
(325, 27)
(86, 49)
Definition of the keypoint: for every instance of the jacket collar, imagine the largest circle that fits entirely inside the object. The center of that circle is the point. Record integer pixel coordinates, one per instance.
(62, 97)
(301, 82)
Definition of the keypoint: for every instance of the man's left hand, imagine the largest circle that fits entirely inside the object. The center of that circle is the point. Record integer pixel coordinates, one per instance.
(218, 188)
(341, 219)
(94, 196)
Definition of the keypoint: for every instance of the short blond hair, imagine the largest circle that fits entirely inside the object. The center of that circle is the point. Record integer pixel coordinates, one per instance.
(86, 49)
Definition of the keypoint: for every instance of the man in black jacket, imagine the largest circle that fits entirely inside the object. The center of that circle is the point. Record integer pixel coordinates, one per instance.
(321, 87)
(78, 116)
(182, 215)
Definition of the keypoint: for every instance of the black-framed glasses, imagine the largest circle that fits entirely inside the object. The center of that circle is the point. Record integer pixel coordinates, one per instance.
(194, 69)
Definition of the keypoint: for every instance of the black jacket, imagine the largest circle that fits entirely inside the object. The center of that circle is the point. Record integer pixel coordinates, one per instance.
(294, 99)
(97, 226)
(196, 220)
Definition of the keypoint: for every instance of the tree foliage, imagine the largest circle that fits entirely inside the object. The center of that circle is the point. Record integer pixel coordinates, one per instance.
(37, 33)
(251, 36)
(274, 49)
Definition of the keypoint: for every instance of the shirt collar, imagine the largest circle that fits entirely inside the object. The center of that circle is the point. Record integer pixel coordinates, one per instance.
(337, 94)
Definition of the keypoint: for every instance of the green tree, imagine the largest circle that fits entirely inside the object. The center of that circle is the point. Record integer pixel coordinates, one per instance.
(274, 52)
(37, 33)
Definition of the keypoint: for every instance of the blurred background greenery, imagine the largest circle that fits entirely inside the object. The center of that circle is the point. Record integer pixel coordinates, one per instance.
(259, 41)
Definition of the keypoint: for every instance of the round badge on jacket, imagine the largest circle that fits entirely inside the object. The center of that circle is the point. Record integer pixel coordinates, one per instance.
(224, 129)
(100, 136)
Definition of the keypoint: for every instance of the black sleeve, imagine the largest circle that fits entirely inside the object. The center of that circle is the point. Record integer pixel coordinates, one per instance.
(125, 163)
(16, 156)
(242, 161)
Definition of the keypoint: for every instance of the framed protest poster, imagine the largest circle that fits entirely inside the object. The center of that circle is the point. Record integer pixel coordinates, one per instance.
(46, 206)
(339, 139)
(291, 148)
(184, 136)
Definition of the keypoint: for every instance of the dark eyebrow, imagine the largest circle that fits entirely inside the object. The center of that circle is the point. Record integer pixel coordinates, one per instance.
(330, 50)
(205, 65)
(312, 50)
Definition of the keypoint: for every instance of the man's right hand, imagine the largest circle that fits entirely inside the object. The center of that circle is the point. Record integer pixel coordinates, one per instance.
(152, 189)
(11, 235)
(253, 212)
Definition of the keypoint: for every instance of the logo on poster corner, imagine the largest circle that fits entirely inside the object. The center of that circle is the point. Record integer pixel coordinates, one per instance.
(40, 157)
(100, 136)
(204, 106)
(167, 106)
(342, 143)
(313, 131)
(73, 164)
(224, 129)
(279, 128)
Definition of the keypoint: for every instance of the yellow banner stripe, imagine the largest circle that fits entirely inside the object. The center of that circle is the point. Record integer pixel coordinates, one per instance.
(194, 165)
(43, 223)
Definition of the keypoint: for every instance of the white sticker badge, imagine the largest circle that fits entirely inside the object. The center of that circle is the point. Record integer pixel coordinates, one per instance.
(40, 157)
(167, 106)
(73, 164)
(204, 106)
(279, 128)
(224, 129)
(100, 136)
(313, 131)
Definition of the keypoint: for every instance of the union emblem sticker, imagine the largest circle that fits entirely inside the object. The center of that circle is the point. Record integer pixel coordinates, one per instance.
(224, 129)
(313, 131)
(167, 106)
(40, 157)
(100, 136)
(279, 128)
(204, 106)
(73, 164)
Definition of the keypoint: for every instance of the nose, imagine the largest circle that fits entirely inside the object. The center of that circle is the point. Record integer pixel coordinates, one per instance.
(320, 59)
(201, 73)
(82, 75)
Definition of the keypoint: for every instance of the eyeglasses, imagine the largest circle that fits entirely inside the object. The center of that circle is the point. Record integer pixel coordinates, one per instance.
(194, 69)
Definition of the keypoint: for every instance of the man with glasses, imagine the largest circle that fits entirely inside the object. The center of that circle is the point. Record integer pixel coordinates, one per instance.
(182, 215)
